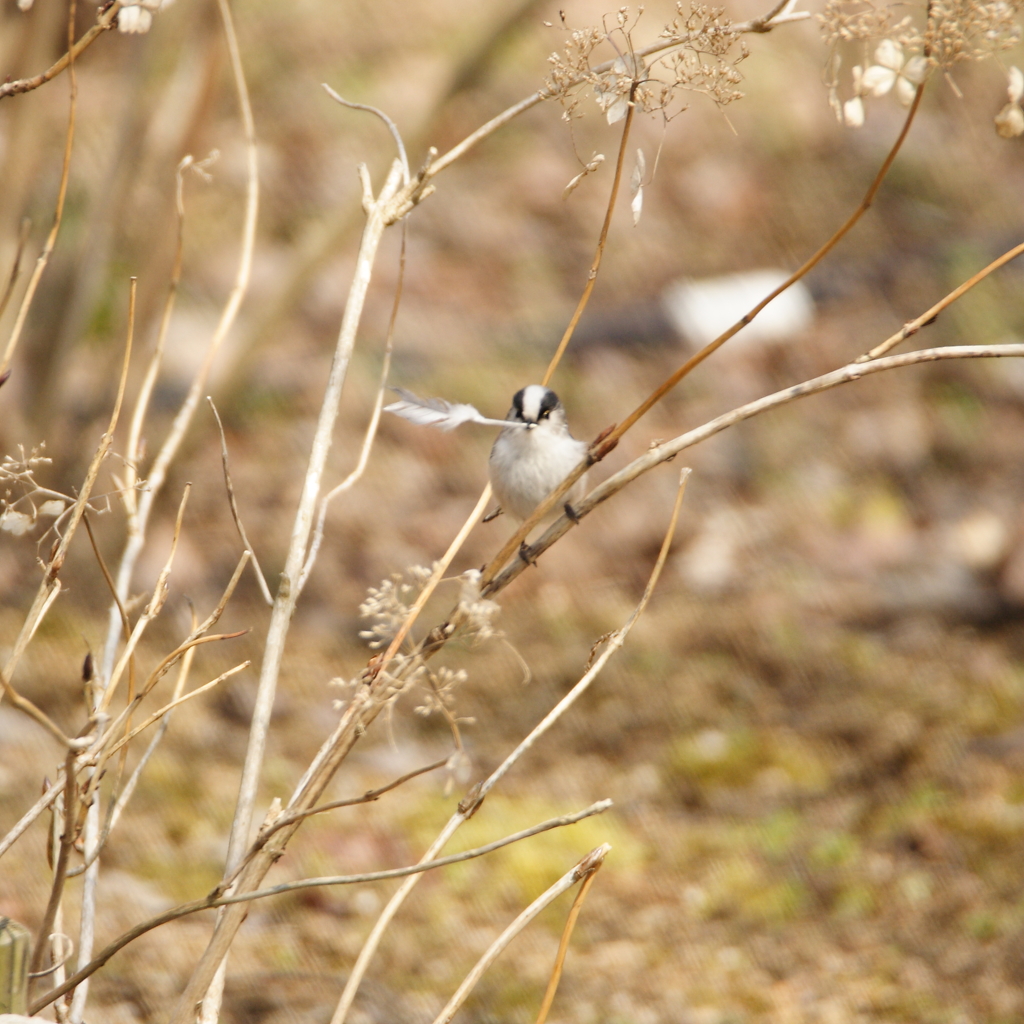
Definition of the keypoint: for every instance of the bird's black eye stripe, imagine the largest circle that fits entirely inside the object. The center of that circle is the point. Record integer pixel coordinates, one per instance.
(547, 404)
(517, 403)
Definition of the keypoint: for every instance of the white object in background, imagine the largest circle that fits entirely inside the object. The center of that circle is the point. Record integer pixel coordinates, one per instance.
(701, 310)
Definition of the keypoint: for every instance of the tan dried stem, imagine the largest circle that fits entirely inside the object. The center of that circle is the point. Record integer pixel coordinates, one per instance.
(260, 578)
(12, 280)
(928, 316)
(152, 610)
(134, 446)
(49, 587)
(67, 843)
(62, 191)
(563, 946)
(157, 475)
(607, 441)
(385, 209)
(585, 867)
(469, 805)
(378, 405)
(104, 23)
(602, 239)
(213, 900)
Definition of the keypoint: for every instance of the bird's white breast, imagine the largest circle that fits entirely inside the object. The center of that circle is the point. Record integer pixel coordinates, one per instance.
(526, 465)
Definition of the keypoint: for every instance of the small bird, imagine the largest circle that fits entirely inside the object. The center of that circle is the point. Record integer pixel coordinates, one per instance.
(526, 465)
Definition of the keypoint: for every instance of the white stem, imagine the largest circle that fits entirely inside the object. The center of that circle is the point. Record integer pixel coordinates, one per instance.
(157, 475)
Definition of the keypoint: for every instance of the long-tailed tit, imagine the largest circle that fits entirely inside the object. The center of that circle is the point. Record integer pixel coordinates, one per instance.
(529, 460)
(532, 455)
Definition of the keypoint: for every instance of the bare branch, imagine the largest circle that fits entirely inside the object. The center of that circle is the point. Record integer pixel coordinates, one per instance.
(106, 21)
(210, 902)
(927, 317)
(563, 945)
(265, 590)
(585, 868)
(391, 126)
(469, 805)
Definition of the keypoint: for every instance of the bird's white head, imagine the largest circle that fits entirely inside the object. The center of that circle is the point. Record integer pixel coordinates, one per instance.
(536, 405)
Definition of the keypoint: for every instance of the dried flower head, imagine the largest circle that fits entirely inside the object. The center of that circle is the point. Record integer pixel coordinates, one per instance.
(938, 35)
(23, 501)
(696, 52)
(136, 16)
(389, 604)
(439, 696)
(477, 612)
(1010, 120)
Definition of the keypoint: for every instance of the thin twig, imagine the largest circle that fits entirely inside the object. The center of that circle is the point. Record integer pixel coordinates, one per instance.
(26, 226)
(371, 430)
(23, 823)
(105, 22)
(440, 568)
(585, 867)
(62, 191)
(468, 807)
(153, 608)
(134, 446)
(267, 596)
(602, 239)
(211, 902)
(287, 817)
(695, 360)
(609, 439)
(67, 844)
(927, 317)
(391, 126)
(563, 945)
(167, 708)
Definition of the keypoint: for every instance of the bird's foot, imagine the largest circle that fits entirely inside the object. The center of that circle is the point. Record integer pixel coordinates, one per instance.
(492, 515)
(526, 554)
(571, 513)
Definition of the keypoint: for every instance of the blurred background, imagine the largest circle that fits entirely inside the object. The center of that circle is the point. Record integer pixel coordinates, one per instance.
(814, 736)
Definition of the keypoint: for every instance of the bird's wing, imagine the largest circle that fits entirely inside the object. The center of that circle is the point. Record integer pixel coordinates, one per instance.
(436, 412)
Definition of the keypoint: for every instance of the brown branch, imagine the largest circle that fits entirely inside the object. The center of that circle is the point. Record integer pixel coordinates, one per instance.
(210, 902)
(265, 590)
(563, 945)
(12, 280)
(106, 21)
(669, 449)
(595, 266)
(286, 818)
(927, 317)
(695, 360)
(67, 842)
(610, 438)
